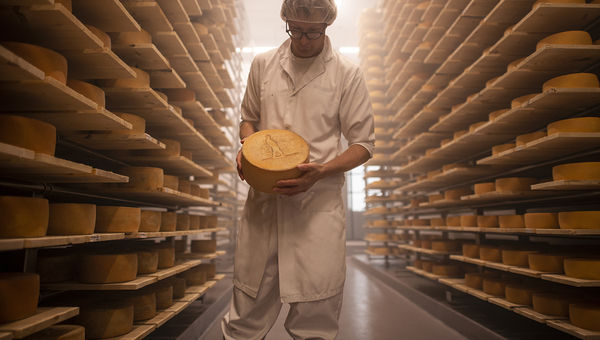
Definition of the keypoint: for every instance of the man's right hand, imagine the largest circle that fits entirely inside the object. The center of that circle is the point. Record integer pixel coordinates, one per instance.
(239, 161)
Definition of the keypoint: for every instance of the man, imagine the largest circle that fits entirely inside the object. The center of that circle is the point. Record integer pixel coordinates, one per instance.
(291, 245)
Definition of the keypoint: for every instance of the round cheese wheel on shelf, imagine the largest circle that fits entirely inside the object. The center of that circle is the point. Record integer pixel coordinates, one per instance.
(474, 280)
(530, 137)
(437, 222)
(209, 268)
(518, 294)
(150, 221)
(475, 126)
(143, 178)
(194, 277)
(433, 173)
(482, 188)
(187, 154)
(547, 263)
(455, 194)
(582, 268)
(453, 221)
(428, 265)
(511, 221)
(194, 222)
(200, 29)
(502, 147)
(200, 192)
(418, 264)
(468, 221)
(519, 101)
(541, 220)
(435, 197)
(446, 270)
(180, 95)
(166, 255)
(19, 293)
(426, 244)
(495, 114)
(519, 258)
(573, 80)
(495, 287)
(446, 246)
(584, 171)
(172, 149)
(162, 96)
(23, 217)
(579, 219)
(581, 124)
(490, 253)
(71, 219)
(513, 65)
(51, 63)
(470, 250)
(28, 133)
(566, 38)
(185, 186)
(585, 315)
(59, 332)
(132, 38)
(550, 304)
(100, 35)
(459, 134)
(484, 221)
(141, 81)
(138, 124)
(512, 184)
(418, 222)
(107, 267)
(147, 261)
(55, 265)
(144, 304)
(168, 221)
(204, 246)
(106, 320)
(445, 142)
(179, 287)
(112, 219)
(183, 222)
(88, 90)
(180, 246)
(272, 155)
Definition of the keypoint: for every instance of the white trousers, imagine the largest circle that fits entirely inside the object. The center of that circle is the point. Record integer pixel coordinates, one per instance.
(251, 319)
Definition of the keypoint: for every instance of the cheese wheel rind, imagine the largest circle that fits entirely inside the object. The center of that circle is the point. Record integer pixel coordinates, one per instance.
(168, 221)
(147, 261)
(19, 293)
(112, 219)
(512, 184)
(518, 294)
(529, 137)
(106, 320)
(518, 258)
(23, 217)
(566, 38)
(28, 133)
(150, 221)
(582, 268)
(581, 124)
(59, 332)
(50, 62)
(547, 263)
(132, 38)
(579, 219)
(495, 287)
(143, 178)
(541, 220)
(584, 171)
(71, 219)
(88, 90)
(585, 315)
(550, 304)
(203, 246)
(511, 221)
(141, 80)
(573, 80)
(485, 187)
(107, 268)
(144, 305)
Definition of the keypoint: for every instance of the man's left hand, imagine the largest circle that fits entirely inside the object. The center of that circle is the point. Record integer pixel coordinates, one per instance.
(312, 172)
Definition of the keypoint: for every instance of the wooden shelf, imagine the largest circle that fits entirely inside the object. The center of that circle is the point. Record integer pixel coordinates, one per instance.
(567, 327)
(25, 164)
(96, 63)
(107, 15)
(139, 332)
(43, 318)
(173, 165)
(144, 56)
(420, 272)
(149, 15)
(452, 176)
(174, 10)
(197, 82)
(423, 250)
(568, 185)
(162, 234)
(133, 98)
(67, 123)
(505, 196)
(103, 141)
(53, 241)
(207, 256)
(163, 196)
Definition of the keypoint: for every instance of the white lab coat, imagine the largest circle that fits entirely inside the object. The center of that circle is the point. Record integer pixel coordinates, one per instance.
(330, 100)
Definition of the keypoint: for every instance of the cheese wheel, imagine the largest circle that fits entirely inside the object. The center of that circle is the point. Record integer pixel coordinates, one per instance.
(482, 188)
(180, 246)
(574, 80)
(19, 293)
(144, 305)
(71, 219)
(416, 243)
(452, 166)
(541, 220)
(59, 332)
(502, 147)
(172, 149)
(55, 265)
(445, 141)
(520, 101)
(204, 246)
(512, 184)
(437, 222)
(269, 156)
(582, 124)
(138, 124)
(209, 268)
(526, 138)
(579, 219)
(150, 221)
(185, 186)
(203, 222)
(179, 287)
(495, 114)
(490, 253)
(566, 38)
(426, 244)
(144, 178)
(475, 126)
(547, 263)
(585, 315)
(378, 237)
(495, 287)
(519, 258)
(171, 182)
(180, 95)
(200, 29)
(147, 261)
(435, 197)
(582, 268)
(168, 221)
(446, 270)
(513, 65)
(187, 154)
(28, 133)
(51, 63)
(455, 194)
(511, 221)
(106, 320)
(433, 173)
(23, 217)
(183, 222)
(194, 277)
(585, 171)
(474, 280)
(428, 266)
(166, 255)
(550, 304)
(484, 221)
(379, 250)
(141, 81)
(418, 264)
(200, 192)
(111, 219)
(453, 221)
(100, 35)
(459, 134)
(132, 38)
(107, 268)
(194, 222)
(470, 250)
(468, 221)
(518, 294)
(88, 90)
(446, 246)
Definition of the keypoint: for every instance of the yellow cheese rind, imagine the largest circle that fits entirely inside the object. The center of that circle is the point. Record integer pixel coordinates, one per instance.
(582, 268)
(147, 261)
(495, 114)
(204, 246)
(143, 178)
(28, 133)
(184, 186)
(107, 268)
(519, 101)
(475, 126)
(446, 270)
(495, 287)
(144, 305)
(209, 268)
(106, 320)
(513, 65)
(19, 293)
(468, 221)
(547, 263)
(512, 184)
(164, 295)
(584, 171)
(171, 182)
(579, 219)
(150, 221)
(501, 148)
(519, 258)
(446, 246)
(530, 137)
(573, 80)
(112, 219)
(179, 287)
(183, 222)
(435, 197)
(484, 221)
(194, 222)
(55, 265)
(23, 217)
(134, 37)
(90, 91)
(517, 294)
(566, 38)
(168, 221)
(269, 156)
(459, 134)
(194, 277)
(166, 255)
(455, 194)
(485, 187)
(453, 221)
(470, 250)
(550, 304)
(541, 220)
(489, 253)
(138, 124)
(50, 62)
(71, 219)
(511, 221)
(581, 124)
(474, 280)
(585, 315)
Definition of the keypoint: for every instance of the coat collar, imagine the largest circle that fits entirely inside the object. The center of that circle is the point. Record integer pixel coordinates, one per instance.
(316, 69)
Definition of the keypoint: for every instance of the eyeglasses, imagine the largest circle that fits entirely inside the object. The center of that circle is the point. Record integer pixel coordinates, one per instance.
(297, 34)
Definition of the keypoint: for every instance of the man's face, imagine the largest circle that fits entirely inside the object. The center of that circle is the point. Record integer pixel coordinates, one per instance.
(304, 47)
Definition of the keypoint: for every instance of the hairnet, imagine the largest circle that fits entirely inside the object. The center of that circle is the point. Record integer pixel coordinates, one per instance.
(310, 11)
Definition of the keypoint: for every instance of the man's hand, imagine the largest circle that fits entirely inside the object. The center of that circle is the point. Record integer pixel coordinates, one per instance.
(312, 172)
(239, 161)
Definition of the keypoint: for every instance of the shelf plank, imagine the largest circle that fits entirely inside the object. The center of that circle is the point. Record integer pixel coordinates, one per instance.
(107, 15)
(197, 82)
(174, 10)
(571, 281)
(504, 303)
(68, 122)
(423, 250)
(207, 256)
(131, 98)
(138, 283)
(573, 330)
(142, 55)
(100, 63)
(149, 15)
(6, 336)
(161, 234)
(44, 318)
(159, 319)
(162, 196)
(535, 316)
(103, 141)
(166, 79)
(139, 332)
(505, 196)
(174, 165)
(568, 185)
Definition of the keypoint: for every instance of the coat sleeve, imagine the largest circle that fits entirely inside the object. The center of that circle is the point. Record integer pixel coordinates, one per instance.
(356, 113)
(251, 102)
